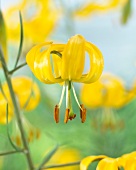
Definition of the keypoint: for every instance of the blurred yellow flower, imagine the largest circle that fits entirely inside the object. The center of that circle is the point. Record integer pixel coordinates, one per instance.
(39, 19)
(27, 94)
(126, 161)
(65, 63)
(101, 6)
(64, 156)
(108, 93)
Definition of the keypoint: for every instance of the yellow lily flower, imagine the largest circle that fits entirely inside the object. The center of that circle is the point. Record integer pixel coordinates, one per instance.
(107, 93)
(127, 161)
(28, 96)
(64, 63)
(38, 16)
(100, 7)
(27, 93)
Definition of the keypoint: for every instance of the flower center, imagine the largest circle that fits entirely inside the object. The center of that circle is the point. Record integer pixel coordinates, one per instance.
(69, 113)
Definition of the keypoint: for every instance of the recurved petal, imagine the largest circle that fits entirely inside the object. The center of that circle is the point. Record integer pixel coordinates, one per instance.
(33, 60)
(107, 164)
(38, 65)
(30, 57)
(56, 59)
(73, 58)
(46, 67)
(96, 64)
(88, 160)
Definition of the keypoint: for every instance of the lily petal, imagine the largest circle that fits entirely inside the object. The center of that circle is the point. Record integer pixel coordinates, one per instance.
(107, 164)
(88, 160)
(96, 64)
(73, 58)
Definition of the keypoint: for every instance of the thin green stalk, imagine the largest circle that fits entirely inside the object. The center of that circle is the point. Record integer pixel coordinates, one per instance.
(17, 68)
(21, 40)
(61, 165)
(17, 112)
(11, 152)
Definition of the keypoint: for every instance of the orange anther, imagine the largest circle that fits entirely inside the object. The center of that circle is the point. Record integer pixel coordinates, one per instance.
(56, 114)
(82, 113)
(66, 115)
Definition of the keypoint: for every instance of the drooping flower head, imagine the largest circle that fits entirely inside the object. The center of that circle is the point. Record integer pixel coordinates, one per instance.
(28, 97)
(65, 63)
(108, 93)
(126, 161)
(38, 16)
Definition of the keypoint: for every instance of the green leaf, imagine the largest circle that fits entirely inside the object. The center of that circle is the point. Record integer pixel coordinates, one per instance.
(3, 36)
(126, 12)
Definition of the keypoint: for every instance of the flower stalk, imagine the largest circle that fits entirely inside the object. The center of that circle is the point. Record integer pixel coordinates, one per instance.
(17, 112)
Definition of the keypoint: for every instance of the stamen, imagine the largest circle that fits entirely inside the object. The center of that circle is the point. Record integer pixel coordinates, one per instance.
(66, 115)
(82, 113)
(68, 99)
(56, 114)
(62, 96)
(76, 97)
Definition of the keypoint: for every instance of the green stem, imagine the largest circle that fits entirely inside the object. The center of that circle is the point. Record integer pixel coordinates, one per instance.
(11, 152)
(47, 157)
(17, 68)
(17, 112)
(62, 165)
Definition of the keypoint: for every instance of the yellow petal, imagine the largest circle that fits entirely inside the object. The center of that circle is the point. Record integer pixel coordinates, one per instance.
(101, 7)
(28, 96)
(41, 14)
(130, 164)
(26, 91)
(57, 60)
(46, 67)
(88, 160)
(96, 64)
(73, 58)
(125, 159)
(107, 164)
(35, 55)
